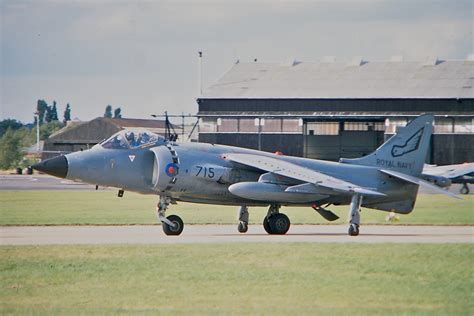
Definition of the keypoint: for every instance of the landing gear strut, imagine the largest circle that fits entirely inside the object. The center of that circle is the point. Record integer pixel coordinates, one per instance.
(243, 219)
(464, 189)
(354, 215)
(276, 223)
(172, 225)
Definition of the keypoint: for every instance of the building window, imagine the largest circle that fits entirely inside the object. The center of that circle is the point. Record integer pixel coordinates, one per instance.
(248, 126)
(464, 125)
(356, 126)
(443, 126)
(208, 125)
(394, 124)
(292, 126)
(364, 126)
(271, 125)
(379, 126)
(323, 128)
(227, 125)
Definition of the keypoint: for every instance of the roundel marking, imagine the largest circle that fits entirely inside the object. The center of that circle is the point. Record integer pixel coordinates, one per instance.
(171, 169)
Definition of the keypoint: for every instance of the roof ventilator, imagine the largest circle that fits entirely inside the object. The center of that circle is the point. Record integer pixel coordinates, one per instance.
(356, 61)
(431, 61)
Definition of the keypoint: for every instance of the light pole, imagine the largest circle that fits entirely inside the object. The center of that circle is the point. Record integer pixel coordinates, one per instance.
(37, 132)
(200, 73)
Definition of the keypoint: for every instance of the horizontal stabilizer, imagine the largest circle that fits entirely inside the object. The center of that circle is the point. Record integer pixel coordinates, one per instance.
(419, 182)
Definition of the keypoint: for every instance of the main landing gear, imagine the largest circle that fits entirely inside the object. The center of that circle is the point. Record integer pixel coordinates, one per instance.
(464, 189)
(275, 223)
(243, 219)
(354, 215)
(172, 225)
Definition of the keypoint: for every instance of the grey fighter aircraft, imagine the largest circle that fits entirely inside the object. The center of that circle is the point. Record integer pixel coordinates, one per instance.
(444, 176)
(140, 161)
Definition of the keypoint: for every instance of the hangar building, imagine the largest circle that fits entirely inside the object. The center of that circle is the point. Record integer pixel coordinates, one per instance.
(331, 109)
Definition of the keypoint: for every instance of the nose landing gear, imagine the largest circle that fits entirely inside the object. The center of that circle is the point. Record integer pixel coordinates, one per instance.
(172, 225)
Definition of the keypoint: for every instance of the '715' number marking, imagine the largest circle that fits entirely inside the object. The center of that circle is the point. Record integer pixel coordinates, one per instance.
(205, 172)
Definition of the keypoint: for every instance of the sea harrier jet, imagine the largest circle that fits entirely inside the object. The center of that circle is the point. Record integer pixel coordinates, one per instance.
(140, 161)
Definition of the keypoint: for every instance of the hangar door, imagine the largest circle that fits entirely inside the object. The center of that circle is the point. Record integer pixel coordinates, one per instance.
(333, 140)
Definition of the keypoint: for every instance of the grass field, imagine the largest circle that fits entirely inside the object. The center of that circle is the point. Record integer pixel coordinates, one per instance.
(103, 207)
(244, 279)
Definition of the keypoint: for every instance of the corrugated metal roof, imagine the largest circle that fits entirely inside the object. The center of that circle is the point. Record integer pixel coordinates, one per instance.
(390, 79)
(138, 123)
(122, 123)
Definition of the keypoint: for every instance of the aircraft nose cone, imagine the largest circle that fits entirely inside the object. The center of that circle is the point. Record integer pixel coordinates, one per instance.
(56, 166)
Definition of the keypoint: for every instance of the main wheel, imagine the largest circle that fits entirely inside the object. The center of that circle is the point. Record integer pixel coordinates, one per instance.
(178, 226)
(279, 224)
(243, 227)
(266, 225)
(464, 189)
(354, 230)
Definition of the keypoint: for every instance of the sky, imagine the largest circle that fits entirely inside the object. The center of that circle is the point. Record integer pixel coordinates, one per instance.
(142, 56)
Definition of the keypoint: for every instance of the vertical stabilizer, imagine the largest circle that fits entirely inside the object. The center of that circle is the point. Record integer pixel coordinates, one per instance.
(404, 152)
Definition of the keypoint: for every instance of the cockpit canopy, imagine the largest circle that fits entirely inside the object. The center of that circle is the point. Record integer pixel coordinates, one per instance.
(132, 139)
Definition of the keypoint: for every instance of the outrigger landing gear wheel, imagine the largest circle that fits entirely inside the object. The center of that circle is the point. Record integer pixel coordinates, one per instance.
(354, 215)
(177, 227)
(464, 189)
(354, 230)
(243, 227)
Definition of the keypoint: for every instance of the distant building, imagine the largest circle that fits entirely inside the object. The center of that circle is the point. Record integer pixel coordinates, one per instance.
(78, 136)
(331, 109)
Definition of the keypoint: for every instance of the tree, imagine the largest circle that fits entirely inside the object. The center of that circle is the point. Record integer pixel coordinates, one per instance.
(47, 129)
(54, 112)
(41, 108)
(108, 111)
(9, 123)
(67, 114)
(48, 116)
(117, 113)
(10, 150)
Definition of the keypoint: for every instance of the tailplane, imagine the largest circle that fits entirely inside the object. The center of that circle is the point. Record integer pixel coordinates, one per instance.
(404, 152)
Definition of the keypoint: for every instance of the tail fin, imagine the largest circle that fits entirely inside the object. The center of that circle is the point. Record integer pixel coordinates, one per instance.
(405, 151)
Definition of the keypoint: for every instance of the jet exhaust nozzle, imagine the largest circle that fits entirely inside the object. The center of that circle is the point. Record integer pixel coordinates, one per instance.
(56, 166)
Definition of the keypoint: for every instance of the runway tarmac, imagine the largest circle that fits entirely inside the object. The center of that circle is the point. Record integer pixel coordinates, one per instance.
(40, 182)
(153, 234)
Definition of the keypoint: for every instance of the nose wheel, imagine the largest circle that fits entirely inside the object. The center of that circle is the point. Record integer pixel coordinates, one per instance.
(172, 225)
(176, 228)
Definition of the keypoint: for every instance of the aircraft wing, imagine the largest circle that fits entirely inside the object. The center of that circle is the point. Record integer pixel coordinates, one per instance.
(450, 171)
(294, 171)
